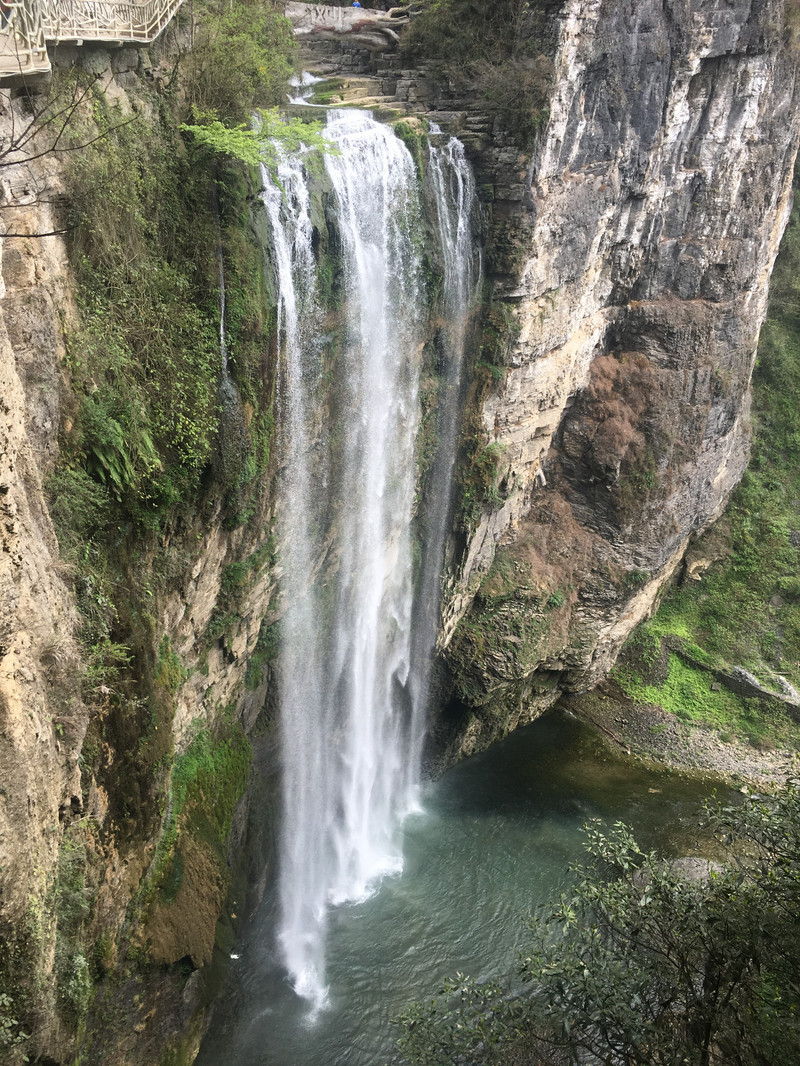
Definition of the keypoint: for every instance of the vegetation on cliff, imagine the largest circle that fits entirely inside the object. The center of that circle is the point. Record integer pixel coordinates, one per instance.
(151, 447)
(503, 49)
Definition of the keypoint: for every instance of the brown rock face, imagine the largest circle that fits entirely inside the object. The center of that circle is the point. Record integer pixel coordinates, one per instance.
(42, 720)
(655, 205)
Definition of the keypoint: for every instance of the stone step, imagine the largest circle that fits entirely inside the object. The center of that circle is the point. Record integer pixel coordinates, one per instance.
(478, 122)
(350, 82)
(380, 102)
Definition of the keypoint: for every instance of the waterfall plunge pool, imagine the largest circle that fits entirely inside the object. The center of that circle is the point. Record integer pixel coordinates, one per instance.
(495, 838)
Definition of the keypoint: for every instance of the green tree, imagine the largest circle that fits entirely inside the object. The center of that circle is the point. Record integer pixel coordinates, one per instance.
(641, 964)
(261, 141)
(241, 58)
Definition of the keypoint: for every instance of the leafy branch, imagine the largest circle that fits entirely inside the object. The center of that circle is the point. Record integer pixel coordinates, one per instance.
(263, 142)
(45, 132)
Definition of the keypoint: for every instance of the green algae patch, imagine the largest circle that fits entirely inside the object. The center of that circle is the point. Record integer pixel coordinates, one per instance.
(207, 781)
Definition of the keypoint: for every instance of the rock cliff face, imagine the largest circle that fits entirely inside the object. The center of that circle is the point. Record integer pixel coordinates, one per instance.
(628, 259)
(86, 796)
(40, 733)
(653, 209)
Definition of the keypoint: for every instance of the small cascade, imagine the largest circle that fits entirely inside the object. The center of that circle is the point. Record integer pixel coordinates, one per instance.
(303, 84)
(227, 391)
(223, 344)
(352, 704)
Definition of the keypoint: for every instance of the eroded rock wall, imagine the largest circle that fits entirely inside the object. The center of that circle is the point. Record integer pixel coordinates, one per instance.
(86, 796)
(42, 717)
(654, 204)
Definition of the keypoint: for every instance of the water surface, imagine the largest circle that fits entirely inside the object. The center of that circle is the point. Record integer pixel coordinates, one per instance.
(495, 838)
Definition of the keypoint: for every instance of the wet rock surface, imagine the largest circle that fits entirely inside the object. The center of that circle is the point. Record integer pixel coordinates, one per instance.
(628, 256)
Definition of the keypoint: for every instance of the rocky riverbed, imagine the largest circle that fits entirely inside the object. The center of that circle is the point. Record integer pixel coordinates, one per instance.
(657, 737)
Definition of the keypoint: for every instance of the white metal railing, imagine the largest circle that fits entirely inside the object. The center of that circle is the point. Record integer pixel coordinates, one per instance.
(106, 20)
(22, 41)
(25, 26)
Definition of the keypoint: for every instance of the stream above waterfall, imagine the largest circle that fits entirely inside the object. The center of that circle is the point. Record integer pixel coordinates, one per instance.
(494, 838)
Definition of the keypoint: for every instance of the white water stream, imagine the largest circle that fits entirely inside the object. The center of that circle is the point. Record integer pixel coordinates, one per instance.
(352, 715)
(454, 198)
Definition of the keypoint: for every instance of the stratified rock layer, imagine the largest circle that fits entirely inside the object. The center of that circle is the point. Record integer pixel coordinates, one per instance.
(654, 207)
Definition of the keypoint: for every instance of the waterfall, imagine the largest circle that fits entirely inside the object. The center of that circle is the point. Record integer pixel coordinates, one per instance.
(232, 431)
(454, 197)
(304, 85)
(351, 720)
(223, 344)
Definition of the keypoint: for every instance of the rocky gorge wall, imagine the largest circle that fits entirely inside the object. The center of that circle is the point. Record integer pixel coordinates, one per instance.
(627, 260)
(124, 649)
(628, 254)
(653, 207)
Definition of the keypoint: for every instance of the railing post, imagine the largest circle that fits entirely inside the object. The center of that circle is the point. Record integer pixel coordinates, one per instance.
(22, 42)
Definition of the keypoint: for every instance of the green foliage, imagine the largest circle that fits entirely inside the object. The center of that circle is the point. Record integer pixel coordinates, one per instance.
(79, 507)
(236, 579)
(207, 781)
(649, 674)
(480, 482)
(12, 1032)
(262, 141)
(504, 626)
(212, 773)
(142, 442)
(642, 965)
(169, 671)
(636, 578)
(77, 987)
(117, 444)
(71, 900)
(144, 361)
(501, 329)
(415, 138)
(241, 58)
(496, 373)
(266, 651)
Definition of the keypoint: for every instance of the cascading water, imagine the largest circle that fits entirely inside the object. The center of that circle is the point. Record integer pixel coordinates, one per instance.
(223, 343)
(454, 197)
(352, 714)
(303, 84)
(231, 427)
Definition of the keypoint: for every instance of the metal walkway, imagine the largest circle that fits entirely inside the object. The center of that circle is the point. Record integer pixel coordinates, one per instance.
(26, 26)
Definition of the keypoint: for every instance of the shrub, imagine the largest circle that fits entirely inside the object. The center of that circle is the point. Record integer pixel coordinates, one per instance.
(242, 57)
(503, 48)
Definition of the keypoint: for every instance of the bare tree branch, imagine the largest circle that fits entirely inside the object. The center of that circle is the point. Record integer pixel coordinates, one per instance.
(52, 121)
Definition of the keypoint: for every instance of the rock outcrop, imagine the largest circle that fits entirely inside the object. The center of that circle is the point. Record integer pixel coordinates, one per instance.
(628, 256)
(653, 208)
(361, 28)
